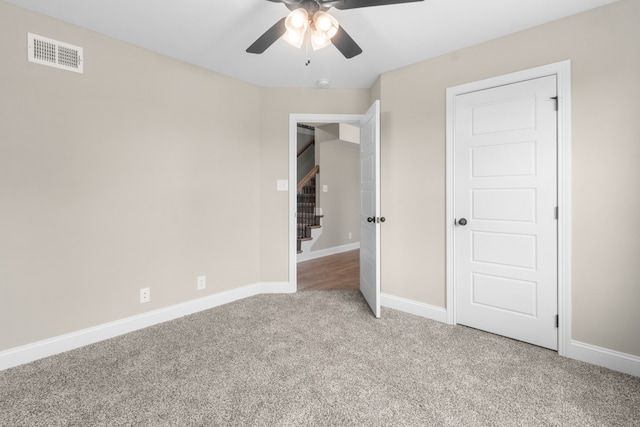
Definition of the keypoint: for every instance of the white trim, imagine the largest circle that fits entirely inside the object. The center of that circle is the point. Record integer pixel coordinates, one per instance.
(618, 361)
(564, 206)
(306, 256)
(294, 119)
(51, 346)
(432, 312)
(563, 72)
(611, 359)
(275, 288)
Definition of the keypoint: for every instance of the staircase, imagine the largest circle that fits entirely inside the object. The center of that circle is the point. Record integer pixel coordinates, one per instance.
(308, 216)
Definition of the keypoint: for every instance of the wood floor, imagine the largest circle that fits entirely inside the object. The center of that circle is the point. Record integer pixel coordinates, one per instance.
(333, 272)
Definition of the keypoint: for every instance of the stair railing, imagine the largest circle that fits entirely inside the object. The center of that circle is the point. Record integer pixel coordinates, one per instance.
(306, 147)
(308, 177)
(306, 209)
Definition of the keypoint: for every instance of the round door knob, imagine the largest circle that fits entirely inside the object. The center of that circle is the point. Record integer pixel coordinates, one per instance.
(370, 219)
(382, 219)
(462, 221)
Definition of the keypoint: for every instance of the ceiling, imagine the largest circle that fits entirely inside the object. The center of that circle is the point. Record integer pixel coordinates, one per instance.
(214, 34)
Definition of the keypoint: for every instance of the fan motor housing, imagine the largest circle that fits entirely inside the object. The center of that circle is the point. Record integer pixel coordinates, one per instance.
(311, 6)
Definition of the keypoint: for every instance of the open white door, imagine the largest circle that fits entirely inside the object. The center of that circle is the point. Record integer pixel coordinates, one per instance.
(370, 207)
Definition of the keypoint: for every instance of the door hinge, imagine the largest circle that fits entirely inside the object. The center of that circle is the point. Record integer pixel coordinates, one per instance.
(557, 321)
(555, 98)
(557, 212)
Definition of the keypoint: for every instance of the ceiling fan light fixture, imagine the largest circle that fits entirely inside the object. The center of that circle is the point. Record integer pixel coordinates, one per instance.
(325, 23)
(296, 24)
(297, 20)
(319, 40)
(295, 38)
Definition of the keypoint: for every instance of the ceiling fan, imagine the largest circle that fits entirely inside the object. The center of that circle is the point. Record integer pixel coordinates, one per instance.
(309, 21)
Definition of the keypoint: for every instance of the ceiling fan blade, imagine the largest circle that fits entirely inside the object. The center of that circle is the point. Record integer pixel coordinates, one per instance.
(285, 1)
(355, 4)
(345, 44)
(291, 4)
(268, 38)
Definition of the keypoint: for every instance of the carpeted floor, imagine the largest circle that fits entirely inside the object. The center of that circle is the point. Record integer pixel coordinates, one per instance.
(314, 358)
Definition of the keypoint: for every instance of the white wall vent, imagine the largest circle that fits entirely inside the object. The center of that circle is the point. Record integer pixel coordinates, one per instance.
(53, 53)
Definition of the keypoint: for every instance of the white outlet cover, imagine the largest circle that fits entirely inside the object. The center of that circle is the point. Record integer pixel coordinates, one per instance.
(145, 295)
(202, 282)
(282, 185)
(325, 188)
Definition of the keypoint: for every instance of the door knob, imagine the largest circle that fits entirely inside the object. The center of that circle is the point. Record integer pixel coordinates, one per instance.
(370, 219)
(462, 222)
(382, 219)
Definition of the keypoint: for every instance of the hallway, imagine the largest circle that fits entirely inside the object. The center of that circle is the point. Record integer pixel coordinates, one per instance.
(333, 272)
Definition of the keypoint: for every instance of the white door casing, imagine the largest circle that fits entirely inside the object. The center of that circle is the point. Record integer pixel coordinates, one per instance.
(562, 71)
(505, 200)
(370, 137)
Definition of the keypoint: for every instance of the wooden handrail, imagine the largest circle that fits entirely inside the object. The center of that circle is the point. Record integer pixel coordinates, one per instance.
(307, 178)
(306, 147)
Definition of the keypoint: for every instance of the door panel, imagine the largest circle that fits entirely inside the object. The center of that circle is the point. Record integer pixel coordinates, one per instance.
(505, 250)
(506, 188)
(505, 115)
(514, 159)
(370, 207)
(504, 205)
(514, 295)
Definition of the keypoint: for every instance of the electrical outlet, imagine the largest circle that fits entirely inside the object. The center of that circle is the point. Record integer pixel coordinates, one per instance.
(145, 295)
(202, 282)
(350, 236)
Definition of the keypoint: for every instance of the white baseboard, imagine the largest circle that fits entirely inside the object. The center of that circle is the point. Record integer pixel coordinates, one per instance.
(49, 347)
(615, 360)
(306, 256)
(413, 307)
(276, 288)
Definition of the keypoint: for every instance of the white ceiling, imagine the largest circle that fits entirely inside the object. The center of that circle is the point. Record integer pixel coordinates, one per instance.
(214, 34)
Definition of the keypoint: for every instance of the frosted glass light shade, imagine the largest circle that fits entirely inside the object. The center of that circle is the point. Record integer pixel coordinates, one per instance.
(296, 24)
(321, 27)
(319, 40)
(326, 24)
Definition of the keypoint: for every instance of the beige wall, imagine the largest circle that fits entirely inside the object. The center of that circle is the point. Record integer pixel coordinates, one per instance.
(603, 47)
(340, 172)
(140, 172)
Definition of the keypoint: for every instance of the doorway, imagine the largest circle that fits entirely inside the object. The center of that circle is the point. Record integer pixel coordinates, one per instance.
(328, 198)
(369, 185)
(507, 180)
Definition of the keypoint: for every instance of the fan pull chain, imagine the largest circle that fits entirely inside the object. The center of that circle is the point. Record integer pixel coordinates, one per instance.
(306, 49)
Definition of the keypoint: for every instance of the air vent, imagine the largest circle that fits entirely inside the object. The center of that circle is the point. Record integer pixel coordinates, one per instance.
(53, 53)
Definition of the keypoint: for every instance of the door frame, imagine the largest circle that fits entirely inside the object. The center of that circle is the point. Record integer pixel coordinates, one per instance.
(294, 119)
(562, 70)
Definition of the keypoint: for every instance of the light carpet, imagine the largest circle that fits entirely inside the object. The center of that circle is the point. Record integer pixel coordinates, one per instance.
(314, 359)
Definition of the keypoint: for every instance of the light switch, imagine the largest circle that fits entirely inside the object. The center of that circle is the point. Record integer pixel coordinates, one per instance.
(325, 188)
(282, 185)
